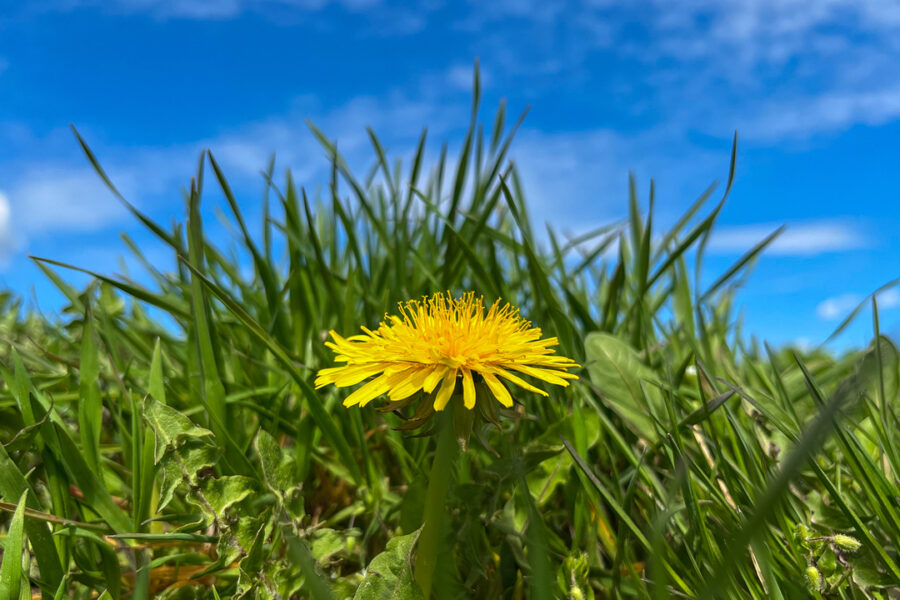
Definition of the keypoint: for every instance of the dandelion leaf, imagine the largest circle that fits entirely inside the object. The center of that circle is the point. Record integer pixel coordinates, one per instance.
(183, 450)
(390, 574)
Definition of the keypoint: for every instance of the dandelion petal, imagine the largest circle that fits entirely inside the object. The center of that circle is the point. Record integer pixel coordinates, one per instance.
(468, 389)
(498, 389)
(447, 387)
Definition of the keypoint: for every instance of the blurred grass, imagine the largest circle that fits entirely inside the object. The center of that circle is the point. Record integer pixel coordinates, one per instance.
(194, 459)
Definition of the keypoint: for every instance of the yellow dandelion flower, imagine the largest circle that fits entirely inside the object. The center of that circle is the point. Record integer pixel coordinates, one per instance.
(435, 342)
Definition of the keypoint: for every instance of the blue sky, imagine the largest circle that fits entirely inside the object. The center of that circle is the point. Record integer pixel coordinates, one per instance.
(653, 86)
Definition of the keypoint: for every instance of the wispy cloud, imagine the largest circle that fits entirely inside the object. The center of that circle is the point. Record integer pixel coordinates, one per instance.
(65, 196)
(396, 118)
(774, 69)
(579, 180)
(204, 9)
(8, 241)
(889, 298)
(702, 66)
(52, 199)
(834, 308)
(795, 69)
(459, 77)
(798, 239)
(840, 306)
(803, 116)
(573, 180)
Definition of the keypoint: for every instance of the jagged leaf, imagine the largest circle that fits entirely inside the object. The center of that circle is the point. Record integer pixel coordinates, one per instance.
(183, 450)
(277, 465)
(224, 492)
(170, 426)
(390, 574)
(326, 543)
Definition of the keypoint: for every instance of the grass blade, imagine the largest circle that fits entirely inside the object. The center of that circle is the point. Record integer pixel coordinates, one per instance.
(13, 550)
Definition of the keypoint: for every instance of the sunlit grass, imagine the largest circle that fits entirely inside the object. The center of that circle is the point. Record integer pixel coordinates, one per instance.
(196, 459)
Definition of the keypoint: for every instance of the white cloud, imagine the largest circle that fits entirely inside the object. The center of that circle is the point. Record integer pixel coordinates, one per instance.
(574, 180)
(713, 50)
(66, 195)
(51, 199)
(773, 69)
(802, 343)
(206, 9)
(460, 77)
(396, 119)
(778, 69)
(8, 241)
(808, 238)
(579, 180)
(4, 213)
(837, 307)
(889, 298)
(800, 117)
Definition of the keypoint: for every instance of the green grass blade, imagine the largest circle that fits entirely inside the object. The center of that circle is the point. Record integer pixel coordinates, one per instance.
(749, 256)
(163, 302)
(317, 409)
(90, 409)
(13, 550)
(812, 439)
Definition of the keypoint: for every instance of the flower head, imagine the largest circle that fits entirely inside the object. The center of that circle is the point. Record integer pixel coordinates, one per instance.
(438, 341)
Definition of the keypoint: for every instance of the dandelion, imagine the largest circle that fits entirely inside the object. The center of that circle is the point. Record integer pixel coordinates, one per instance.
(439, 342)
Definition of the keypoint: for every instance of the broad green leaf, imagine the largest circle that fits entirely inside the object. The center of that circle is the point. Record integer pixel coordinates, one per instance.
(325, 543)
(299, 554)
(170, 426)
(277, 466)
(390, 576)
(182, 449)
(184, 464)
(224, 492)
(551, 473)
(882, 368)
(624, 382)
(251, 565)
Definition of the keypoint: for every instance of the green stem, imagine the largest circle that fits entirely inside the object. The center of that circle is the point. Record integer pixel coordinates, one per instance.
(435, 497)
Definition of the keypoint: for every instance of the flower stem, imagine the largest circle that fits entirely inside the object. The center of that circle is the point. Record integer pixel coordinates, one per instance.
(435, 498)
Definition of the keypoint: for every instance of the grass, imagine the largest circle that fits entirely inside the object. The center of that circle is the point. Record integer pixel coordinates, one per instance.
(188, 456)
